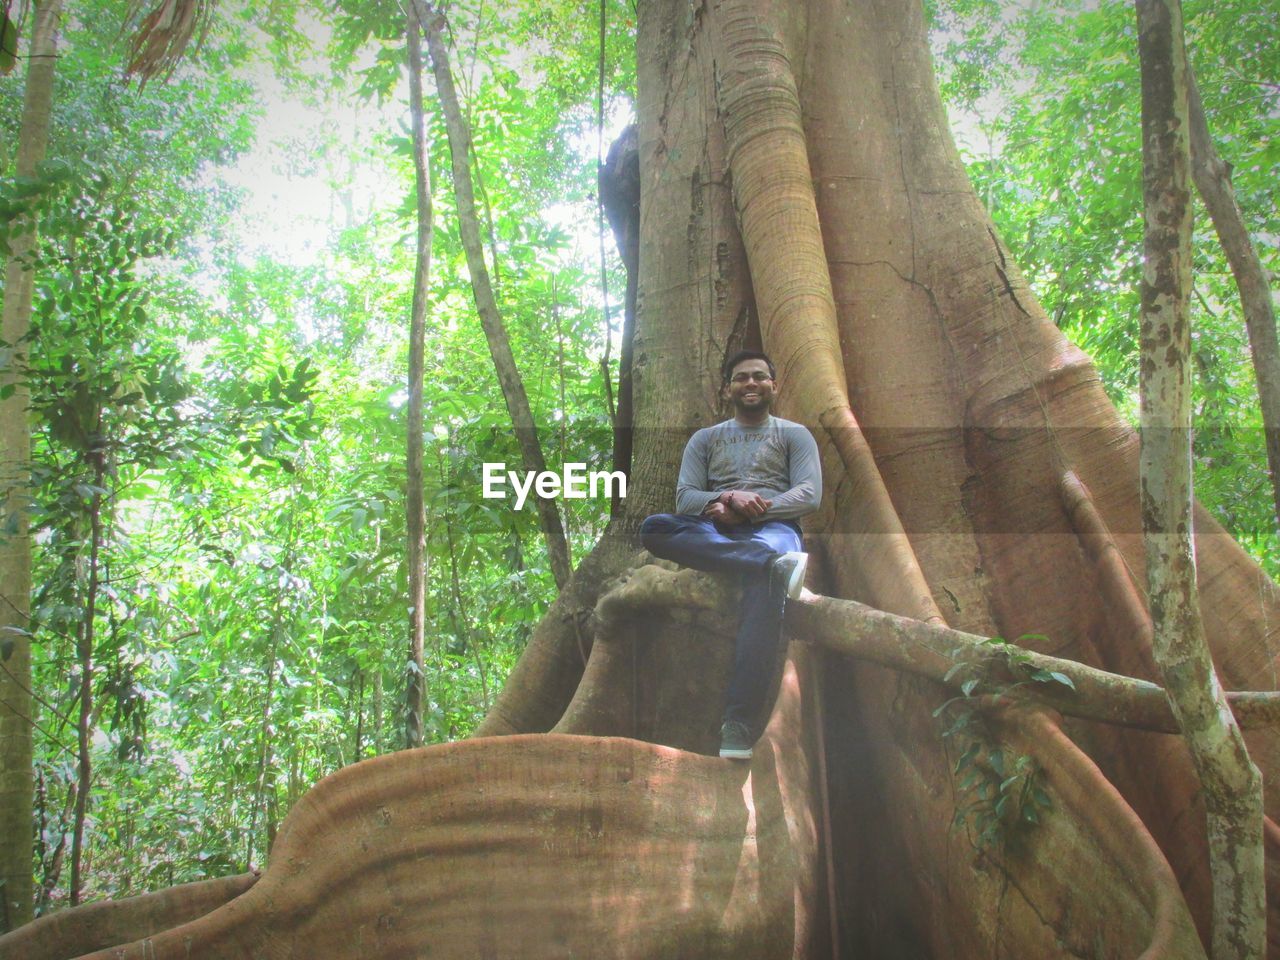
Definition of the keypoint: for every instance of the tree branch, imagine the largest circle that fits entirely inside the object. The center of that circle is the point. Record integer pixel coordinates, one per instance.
(1004, 669)
(952, 657)
(1212, 178)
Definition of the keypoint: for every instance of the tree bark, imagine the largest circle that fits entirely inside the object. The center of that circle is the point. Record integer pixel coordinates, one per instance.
(949, 409)
(619, 185)
(416, 519)
(495, 332)
(1232, 784)
(97, 926)
(16, 884)
(1213, 180)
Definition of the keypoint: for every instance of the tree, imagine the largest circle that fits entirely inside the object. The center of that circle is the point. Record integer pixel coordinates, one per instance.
(15, 455)
(1232, 787)
(1213, 180)
(416, 516)
(71, 235)
(513, 390)
(799, 190)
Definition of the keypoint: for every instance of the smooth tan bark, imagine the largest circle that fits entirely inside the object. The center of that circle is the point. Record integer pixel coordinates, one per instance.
(416, 514)
(490, 318)
(960, 384)
(605, 847)
(776, 209)
(95, 926)
(16, 887)
(973, 408)
(1232, 784)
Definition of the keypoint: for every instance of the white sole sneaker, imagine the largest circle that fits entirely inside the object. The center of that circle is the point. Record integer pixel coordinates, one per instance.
(797, 562)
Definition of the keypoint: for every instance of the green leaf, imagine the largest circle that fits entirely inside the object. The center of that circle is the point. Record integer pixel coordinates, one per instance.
(969, 755)
(996, 759)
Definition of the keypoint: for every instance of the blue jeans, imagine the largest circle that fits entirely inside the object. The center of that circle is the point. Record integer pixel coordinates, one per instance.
(746, 550)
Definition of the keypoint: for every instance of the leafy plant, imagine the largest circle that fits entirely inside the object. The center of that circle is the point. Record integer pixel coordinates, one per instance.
(1001, 795)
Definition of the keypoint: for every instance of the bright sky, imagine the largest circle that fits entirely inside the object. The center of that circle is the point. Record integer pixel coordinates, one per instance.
(302, 163)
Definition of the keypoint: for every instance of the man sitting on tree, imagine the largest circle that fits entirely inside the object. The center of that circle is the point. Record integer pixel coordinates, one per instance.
(743, 484)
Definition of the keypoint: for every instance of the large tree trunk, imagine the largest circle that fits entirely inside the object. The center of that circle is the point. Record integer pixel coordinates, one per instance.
(16, 886)
(992, 486)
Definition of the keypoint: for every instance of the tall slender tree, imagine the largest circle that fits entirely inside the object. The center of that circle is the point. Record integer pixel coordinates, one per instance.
(416, 520)
(1232, 784)
(1212, 177)
(495, 330)
(15, 453)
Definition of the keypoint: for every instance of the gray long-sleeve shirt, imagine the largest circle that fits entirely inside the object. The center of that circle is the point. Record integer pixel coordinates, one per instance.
(778, 460)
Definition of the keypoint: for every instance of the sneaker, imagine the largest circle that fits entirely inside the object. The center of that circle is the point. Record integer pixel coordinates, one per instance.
(786, 575)
(735, 741)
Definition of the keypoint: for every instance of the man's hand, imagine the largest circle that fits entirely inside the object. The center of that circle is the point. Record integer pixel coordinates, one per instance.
(747, 505)
(723, 515)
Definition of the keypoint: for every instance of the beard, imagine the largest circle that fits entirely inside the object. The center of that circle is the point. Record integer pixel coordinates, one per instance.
(760, 403)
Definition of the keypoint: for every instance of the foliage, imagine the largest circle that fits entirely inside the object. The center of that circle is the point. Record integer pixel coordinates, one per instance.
(1001, 795)
(250, 413)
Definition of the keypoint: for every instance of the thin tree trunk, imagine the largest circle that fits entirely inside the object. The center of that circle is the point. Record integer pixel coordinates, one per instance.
(490, 319)
(294, 786)
(416, 522)
(265, 753)
(358, 689)
(53, 868)
(376, 707)
(264, 756)
(272, 800)
(487, 207)
(606, 375)
(1231, 783)
(562, 425)
(16, 883)
(462, 622)
(1213, 181)
(84, 652)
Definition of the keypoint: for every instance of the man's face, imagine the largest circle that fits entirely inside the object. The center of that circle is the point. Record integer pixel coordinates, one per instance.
(750, 387)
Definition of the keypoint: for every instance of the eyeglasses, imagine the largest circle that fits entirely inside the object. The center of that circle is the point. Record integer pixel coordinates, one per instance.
(758, 376)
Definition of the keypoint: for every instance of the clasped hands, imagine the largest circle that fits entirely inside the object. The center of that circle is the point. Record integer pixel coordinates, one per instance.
(737, 507)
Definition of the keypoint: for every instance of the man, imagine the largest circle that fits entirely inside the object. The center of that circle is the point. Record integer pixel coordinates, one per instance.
(743, 484)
